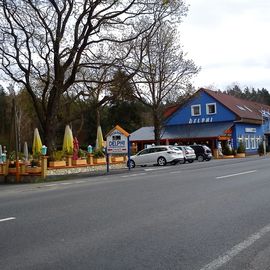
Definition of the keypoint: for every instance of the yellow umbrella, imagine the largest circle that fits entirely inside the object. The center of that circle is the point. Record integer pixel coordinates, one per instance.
(68, 140)
(37, 144)
(99, 140)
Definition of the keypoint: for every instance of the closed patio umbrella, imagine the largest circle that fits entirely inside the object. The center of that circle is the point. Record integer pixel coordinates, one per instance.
(25, 151)
(75, 148)
(37, 144)
(99, 140)
(1, 152)
(68, 140)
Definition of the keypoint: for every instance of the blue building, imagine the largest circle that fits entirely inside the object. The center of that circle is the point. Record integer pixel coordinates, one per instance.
(215, 119)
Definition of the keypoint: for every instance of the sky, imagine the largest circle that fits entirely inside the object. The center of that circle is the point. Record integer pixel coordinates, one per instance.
(230, 41)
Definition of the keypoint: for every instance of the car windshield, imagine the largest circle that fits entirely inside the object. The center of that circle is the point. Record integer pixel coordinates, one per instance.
(188, 148)
(142, 152)
(174, 148)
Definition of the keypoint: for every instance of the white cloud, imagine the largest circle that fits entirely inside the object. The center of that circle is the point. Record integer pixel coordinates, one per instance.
(229, 39)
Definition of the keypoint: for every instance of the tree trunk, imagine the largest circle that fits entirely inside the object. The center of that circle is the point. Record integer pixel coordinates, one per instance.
(98, 116)
(157, 127)
(51, 122)
(50, 134)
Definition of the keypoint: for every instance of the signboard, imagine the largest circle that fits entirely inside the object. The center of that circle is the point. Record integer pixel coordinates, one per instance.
(200, 120)
(117, 141)
(251, 130)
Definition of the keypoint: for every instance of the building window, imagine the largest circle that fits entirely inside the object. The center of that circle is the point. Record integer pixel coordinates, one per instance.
(247, 142)
(196, 110)
(240, 138)
(116, 137)
(211, 108)
(253, 142)
(258, 140)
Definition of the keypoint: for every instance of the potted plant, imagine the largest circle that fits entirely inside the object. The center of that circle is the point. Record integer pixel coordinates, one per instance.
(57, 159)
(68, 155)
(35, 166)
(81, 158)
(234, 152)
(227, 152)
(241, 150)
(12, 162)
(12, 166)
(35, 162)
(99, 156)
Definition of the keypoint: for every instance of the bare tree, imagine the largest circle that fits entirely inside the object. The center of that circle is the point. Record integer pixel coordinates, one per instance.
(164, 73)
(45, 44)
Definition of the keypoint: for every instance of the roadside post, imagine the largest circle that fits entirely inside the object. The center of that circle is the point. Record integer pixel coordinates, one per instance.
(128, 153)
(44, 165)
(117, 142)
(107, 160)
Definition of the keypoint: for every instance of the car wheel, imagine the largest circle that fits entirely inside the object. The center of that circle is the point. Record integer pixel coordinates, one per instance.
(200, 158)
(190, 160)
(161, 161)
(132, 164)
(183, 161)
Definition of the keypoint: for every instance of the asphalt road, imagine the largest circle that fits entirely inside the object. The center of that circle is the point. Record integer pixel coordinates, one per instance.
(200, 216)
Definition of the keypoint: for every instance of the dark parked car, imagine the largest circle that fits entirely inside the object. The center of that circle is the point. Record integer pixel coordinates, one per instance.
(202, 152)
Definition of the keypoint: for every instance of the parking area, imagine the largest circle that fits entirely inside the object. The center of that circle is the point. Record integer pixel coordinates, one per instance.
(170, 154)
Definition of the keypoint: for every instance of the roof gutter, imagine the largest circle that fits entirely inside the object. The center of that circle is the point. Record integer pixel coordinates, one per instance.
(249, 121)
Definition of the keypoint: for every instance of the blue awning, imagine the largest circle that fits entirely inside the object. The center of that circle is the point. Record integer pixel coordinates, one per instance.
(206, 130)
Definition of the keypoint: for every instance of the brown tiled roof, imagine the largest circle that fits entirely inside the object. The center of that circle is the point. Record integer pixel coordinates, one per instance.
(170, 110)
(244, 109)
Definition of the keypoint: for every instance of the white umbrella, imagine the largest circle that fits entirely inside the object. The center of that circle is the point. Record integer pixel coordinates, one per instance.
(25, 151)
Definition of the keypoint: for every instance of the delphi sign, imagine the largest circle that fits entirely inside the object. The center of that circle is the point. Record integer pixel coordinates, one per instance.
(117, 141)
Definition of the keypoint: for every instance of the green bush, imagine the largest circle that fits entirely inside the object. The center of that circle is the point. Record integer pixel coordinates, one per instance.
(12, 156)
(57, 156)
(98, 153)
(36, 156)
(227, 150)
(69, 152)
(261, 148)
(81, 153)
(241, 148)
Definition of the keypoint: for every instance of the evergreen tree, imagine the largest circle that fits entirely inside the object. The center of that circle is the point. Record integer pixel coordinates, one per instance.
(259, 95)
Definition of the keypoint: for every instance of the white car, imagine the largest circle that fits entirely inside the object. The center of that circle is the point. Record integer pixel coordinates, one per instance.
(189, 153)
(160, 155)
